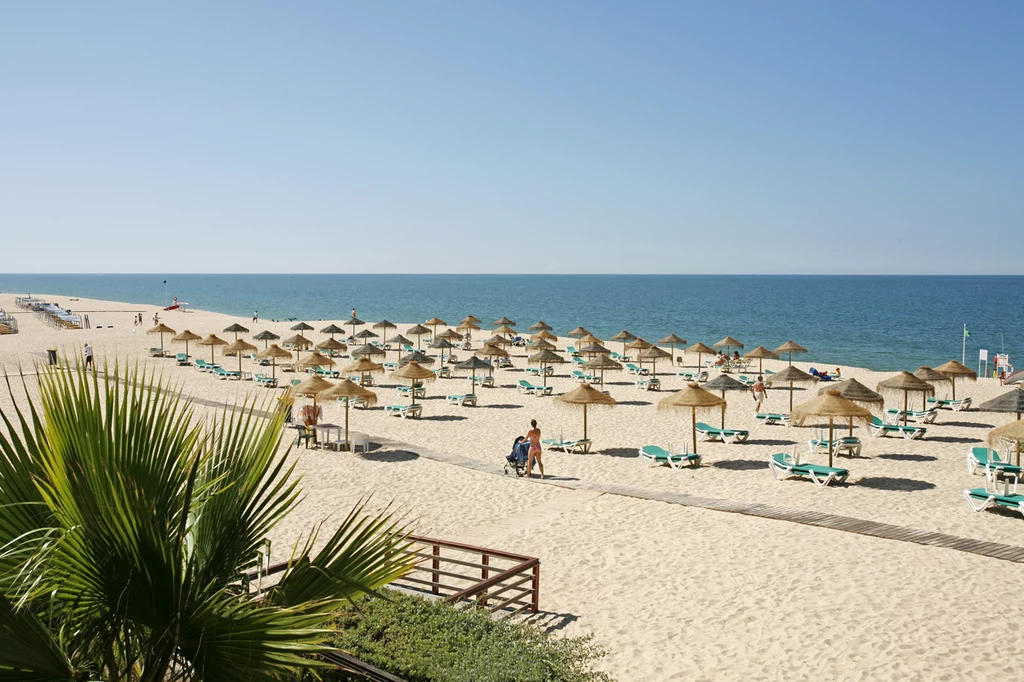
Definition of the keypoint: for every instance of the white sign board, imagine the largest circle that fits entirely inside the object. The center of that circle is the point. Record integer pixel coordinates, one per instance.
(982, 355)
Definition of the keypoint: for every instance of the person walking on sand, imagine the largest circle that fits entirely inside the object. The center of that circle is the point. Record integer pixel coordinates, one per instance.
(534, 437)
(88, 355)
(255, 316)
(759, 391)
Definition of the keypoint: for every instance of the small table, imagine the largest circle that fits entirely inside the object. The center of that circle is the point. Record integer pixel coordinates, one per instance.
(355, 438)
(326, 430)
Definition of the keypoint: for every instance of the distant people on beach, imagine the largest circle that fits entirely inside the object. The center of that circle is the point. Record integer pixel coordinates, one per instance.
(255, 316)
(156, 319)
(353, 312)
(535, 450)
(720, 359)
(88, 355)
(759, 391)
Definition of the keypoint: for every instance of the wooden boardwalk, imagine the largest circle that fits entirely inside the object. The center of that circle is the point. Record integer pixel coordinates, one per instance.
(846, 524)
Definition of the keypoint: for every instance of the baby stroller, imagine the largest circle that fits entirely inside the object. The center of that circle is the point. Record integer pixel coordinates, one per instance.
(516, 460)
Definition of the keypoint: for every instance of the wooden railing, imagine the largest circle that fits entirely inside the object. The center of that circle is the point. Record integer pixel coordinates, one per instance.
(459, 573)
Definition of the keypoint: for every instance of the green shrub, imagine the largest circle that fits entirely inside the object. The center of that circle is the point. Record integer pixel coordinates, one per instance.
(425, 640)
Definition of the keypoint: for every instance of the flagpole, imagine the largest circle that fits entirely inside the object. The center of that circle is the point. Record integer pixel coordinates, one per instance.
(963, 357)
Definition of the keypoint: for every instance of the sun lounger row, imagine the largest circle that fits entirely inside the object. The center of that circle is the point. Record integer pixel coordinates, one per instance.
(461, 399)
(404, 411)
(916, 416)
(784, 465)
(651, 455)
(955, 405)
(880, 428)
(769, 418)
(529, 389)
(850, 445)
(728, 436)
(568, 445)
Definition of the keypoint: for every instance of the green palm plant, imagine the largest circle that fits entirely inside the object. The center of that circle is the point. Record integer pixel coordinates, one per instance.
(127, 525)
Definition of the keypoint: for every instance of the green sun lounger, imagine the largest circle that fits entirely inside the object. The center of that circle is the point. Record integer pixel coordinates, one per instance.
(727, 436)
(981, 499)
(783, 466)
(769, 418)
(989, 460)
(653, 454)
(880, 428)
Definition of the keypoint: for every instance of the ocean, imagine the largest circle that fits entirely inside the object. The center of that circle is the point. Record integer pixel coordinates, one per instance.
(880, 322)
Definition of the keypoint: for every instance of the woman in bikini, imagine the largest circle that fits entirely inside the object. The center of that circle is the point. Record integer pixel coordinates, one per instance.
(534, 437)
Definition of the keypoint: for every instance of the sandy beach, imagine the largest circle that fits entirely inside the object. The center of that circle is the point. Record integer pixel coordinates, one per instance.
(673, 592)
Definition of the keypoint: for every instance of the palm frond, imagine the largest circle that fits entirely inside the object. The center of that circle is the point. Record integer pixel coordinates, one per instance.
(29, 652)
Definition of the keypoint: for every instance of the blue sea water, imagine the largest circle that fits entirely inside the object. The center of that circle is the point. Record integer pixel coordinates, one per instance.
(881, 322)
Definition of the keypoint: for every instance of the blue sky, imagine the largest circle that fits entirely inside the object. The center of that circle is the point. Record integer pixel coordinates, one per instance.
(668, 137)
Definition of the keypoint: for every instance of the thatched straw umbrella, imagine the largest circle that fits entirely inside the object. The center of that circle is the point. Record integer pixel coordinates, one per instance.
(470, 319)
(592, 349)
(442, 344)
(331, 346)
(299, 343)
(504, 322)
(212, 341)
(467, 327)
(354, 322)
(302, 327)
(760, 353)
(364, 366)
(544, 335)
(349, 391)
(601, 363)
(853, 390)
(905, 383)
(398, 341)
(235, 329)
(585, 395)
(366, 350)
(498, 340)
(728, 343)
(473, 364)
(673, 340)
(313, 387)
(366, 334)
(1013, 432)
(625, 337)
(450, 334)
(1009, 403)
(694, 398)
(955, 370)
(266, 337)
(700, 349)
(830, 405)
(384, 326)
(239, 348)
(505, 330)
(161, 329)
(545, 358)
(314, 361)
(434, 323)
(653, 354)
(793, 375)
(639, 344)
(418, 331)
(185, 337)
(933, 377)
(790, 347)
(274, 352)
(540, 326)
(332, 329)
(416, 356)
(723, 383)
(543, 345)
(577, 333)
(588, 340)
(491, 351)
(414, 372)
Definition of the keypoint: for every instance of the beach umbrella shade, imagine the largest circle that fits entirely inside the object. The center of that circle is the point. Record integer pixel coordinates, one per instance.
(298, 342)
(673, 341)
(185, 337)
(418, 331)
(366, 350)
(504, 322)
(933, 377)
(1012, 432)
(505, 330)
(473, 364)
(332, 346)
(728, 343)
(363, 366)
(414, 372)
(830, 404)
(723, 383)
(348, 391)
(235, 329)
(591, 350)
(653, 353)
(638, 345)
(497, 340)
(588, 340)
(905, 383)
(239, 348)
(792, 375)
(450, 334)
(760, 353)
(700, 349)
(384, 326)
(266, 336)
(366, 334)
(332, 329)
(601, 363)
(354, 322)
(954, 370)
(302, 327)
(312, 387)
(851, 389)
(545, 358)
(790, 347)
(212, 341)
(540, 326)
(693, 398)
(442, 344)
(543, 345)
(416, 356)
(434, 323)
(585, 396)
(467, 326)
(625, 337)
(470, 319)
(577, 333)
(314, 360)
(1010, 403)
(491, 350)
(161, 329)
(274, 353)
(544, 335)
(398, 341)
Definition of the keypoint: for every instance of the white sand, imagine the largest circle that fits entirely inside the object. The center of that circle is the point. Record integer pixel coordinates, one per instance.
(672, 592)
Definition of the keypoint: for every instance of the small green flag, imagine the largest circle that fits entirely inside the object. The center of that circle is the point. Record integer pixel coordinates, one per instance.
(966, 333)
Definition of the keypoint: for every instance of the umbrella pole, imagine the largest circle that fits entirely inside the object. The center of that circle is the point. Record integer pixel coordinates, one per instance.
(412, 390)
(693, 427)
(760, 365)
(906, 398)
(273, 368)
(851, 427)
(239, 364)
(544, 373)
(211, 354)
(723, 412)
(831, 431)
(952, 382)
(347, 447)
(791, 396)
(584, 421)
(472, 382)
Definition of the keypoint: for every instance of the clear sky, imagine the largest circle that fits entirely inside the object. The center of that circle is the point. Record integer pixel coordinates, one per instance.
(526, 136)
